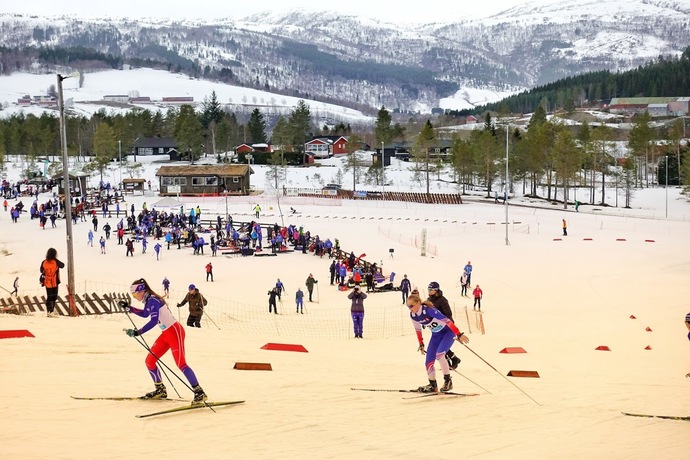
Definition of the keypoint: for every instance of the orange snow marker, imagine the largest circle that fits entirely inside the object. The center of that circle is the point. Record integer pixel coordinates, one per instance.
(649, 241)
(510, 350)
(603, 348)
(586, 239)
(632, 317)
(253, 366)
(648, 347)
(557, 239)
(15, 334)
(648, 329)
(534, 374)
(620, 239)
(284, 347)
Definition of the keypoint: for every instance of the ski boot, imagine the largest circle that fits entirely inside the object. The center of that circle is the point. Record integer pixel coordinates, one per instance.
(159, 393)
(199, 395)
(447, 384)
(454, 362)
(432, 387)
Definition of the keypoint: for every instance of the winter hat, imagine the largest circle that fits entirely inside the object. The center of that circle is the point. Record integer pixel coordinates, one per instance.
(192, 287)
(433, 285)
(687, 318)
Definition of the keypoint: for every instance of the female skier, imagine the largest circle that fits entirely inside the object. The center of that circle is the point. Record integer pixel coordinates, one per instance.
(171, 338)
(443, 332)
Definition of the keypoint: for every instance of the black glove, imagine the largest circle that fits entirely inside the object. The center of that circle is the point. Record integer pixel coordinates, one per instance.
(132, 332)
(123, 304)
(179, 305)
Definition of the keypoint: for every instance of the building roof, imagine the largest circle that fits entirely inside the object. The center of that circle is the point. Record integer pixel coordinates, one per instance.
(133, 181)
(327, 139)
(205, 170)
(641, 100)
(144, 142)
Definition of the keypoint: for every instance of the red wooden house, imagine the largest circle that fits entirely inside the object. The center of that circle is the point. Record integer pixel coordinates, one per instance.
(326, 146)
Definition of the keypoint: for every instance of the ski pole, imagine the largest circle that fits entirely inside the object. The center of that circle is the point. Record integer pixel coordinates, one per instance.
(469, 379)
(166, 366)
(512, 383)
(211, 319)
(146, 345)
(317, 293)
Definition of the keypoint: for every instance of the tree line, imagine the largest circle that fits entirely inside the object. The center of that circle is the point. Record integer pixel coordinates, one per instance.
(663, 77)
(545, 155)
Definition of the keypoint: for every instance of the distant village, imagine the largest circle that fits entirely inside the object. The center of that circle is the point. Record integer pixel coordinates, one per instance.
(51, 101)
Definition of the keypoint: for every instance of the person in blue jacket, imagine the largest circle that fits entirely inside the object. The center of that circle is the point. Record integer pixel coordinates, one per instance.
(171, 338)
(468, 272)
(443, 333)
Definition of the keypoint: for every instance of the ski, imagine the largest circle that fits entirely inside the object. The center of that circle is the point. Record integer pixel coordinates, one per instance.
(668, 417)
(386, 390)
(446, 393)
(123, 398)
(186, 408)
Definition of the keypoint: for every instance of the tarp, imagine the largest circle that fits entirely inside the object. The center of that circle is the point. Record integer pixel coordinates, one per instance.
(167, 202)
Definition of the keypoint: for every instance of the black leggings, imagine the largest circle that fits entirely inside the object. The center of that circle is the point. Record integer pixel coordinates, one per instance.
(51, 298)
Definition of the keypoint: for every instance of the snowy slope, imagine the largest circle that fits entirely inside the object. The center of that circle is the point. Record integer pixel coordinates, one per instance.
(155, 84)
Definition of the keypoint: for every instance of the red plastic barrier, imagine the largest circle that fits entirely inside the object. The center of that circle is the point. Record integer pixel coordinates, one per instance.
(513, 350)
(284, 347)
(15, 334)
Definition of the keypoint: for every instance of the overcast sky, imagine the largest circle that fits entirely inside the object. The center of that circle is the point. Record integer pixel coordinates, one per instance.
(402, 11)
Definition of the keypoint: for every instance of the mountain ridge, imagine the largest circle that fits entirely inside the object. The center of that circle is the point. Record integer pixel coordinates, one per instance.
(371, 62)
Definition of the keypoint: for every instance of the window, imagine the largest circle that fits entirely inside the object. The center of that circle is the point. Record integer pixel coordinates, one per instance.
(198, 181)
(235, 180)
(145, 151)
(212, 181)
(165, 181)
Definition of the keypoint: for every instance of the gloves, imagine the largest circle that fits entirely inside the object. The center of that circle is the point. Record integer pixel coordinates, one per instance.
(132, 332)
(179, 305)
(421, 348)
(123, 304)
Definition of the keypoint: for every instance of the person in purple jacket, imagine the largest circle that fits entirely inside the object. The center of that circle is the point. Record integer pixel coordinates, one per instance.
(443, 333)
(357, 311)
(171, 338)
(687, 324)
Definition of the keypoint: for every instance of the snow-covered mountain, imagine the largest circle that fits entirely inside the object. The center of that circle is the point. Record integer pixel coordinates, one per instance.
(369, 63)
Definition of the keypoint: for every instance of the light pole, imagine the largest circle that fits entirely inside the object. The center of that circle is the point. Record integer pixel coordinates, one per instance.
(383, 173)
(119, 149)
(68, 197)
(505, 196)
(667, 186)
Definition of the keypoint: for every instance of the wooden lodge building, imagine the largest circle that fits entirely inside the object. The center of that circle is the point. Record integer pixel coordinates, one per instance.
(204, 179)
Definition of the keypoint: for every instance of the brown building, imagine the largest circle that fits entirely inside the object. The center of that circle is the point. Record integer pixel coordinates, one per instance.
(204, 179)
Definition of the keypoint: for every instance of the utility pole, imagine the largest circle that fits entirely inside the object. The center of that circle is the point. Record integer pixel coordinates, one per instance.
(68, 198)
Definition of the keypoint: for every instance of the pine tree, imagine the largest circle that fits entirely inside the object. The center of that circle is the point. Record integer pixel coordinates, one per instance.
(211, 116)
(300, 125)
(189, 133)
(257, 127)
(383, 129)
(104, 146)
